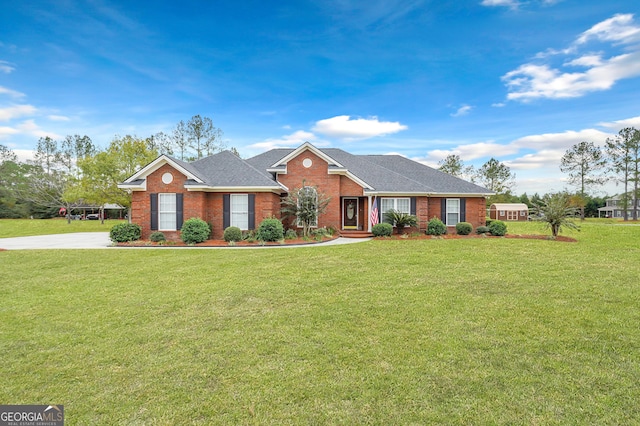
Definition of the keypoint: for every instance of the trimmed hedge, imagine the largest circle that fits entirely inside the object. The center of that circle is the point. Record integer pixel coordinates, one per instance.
(482, 229)
(436, 227)
(498, 228)
(194, 231)
(232, 233)
(125, 232)
(157, 237)
(463, 228)
(270, 230)
(382, 230)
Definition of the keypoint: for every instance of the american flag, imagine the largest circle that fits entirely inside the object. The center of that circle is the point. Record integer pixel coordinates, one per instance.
(374, 212)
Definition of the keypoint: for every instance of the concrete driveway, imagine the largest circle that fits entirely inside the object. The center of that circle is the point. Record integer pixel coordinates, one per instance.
(79, 240)
(98, 240)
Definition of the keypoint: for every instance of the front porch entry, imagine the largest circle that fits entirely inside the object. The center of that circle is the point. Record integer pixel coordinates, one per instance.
(353, 214)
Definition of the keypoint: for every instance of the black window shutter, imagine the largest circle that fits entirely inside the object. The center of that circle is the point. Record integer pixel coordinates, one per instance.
(463, 209)
(179, 210)
(154, 212)
(226, 211)
(443, 210)
(252, 211)
(413, 206)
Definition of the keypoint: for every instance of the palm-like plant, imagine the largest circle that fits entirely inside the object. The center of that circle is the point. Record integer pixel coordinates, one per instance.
(556, 211)
(400, 220)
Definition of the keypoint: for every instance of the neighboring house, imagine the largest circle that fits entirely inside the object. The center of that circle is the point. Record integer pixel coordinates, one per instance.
(615, 207)
(509, 211)
(225, 190)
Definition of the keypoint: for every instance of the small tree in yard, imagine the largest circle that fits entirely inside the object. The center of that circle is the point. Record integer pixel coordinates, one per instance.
(557, 212)
(305, 204)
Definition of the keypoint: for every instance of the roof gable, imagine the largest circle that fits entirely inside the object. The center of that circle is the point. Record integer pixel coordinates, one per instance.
(184, 168)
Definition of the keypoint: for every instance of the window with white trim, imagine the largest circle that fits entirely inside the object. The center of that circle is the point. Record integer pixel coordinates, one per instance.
(309, 194)
(167, 212)
(453, 211)
(402, 205)
(240, 211)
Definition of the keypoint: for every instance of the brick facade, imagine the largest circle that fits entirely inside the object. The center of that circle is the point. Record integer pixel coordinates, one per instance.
(307, 168)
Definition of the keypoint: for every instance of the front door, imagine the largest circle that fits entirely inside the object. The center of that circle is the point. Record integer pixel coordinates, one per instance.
(350, 213)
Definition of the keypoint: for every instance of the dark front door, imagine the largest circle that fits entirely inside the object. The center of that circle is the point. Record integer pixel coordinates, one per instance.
(350, 213)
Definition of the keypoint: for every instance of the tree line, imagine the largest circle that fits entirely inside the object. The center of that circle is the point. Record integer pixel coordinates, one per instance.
(71, 173)
(586, 164)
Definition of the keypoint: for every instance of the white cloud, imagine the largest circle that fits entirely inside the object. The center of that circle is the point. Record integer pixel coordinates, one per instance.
(560, 141)
(16, 111)
(621, 124)
(6, 67)
(31, 128)
(9, 92)
(58, 118)
(7, 131)
(586, 61)
(473, 151)
(508, 3)
(287, 141)
(463, 110)
(344, 127)
(541, 80)
(545, 157)
(620, 28)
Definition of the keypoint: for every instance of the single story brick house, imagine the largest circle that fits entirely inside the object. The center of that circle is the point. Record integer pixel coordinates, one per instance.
(509, 211)
(225, 190)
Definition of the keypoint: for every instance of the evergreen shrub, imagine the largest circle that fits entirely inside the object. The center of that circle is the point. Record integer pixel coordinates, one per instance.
(125, 232)
(498, 228)
(232, 233)
(436, 227)
(157, 237)
(270, 230)
(382, 230)
(463, 228)
(194, 230)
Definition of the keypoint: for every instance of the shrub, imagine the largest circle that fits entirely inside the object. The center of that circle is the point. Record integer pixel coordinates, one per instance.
(400, 220)
(249, 236)
(498, 228)
(463, 228)
(270, 230)
(125, 232)
(291, 234)
(157, 237)
(382, 230)
(194, 231)
(232, 233)
(436, 227)
(482, 229)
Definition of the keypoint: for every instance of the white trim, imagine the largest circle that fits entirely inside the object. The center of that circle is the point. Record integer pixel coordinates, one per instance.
(174, 212)
(446, 211)
(156, 164)
(356, 212)
(304, 147)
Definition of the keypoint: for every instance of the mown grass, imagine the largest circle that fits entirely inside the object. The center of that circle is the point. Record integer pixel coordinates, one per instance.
(29, 227)
(482, 331)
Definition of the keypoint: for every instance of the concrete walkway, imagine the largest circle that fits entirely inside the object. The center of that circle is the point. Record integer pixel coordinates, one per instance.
(99, 240)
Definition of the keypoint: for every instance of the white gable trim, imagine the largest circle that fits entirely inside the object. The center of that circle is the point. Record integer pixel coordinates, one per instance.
(305, 147)
(156, 164)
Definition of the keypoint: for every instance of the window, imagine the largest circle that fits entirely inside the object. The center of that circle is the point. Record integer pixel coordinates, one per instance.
(403, 205)
(453, 211)
(307, 203)
(167, 212)
(240, 211)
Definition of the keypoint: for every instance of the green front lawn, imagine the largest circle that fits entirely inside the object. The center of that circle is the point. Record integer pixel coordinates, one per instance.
(478, 331)
(28, 227)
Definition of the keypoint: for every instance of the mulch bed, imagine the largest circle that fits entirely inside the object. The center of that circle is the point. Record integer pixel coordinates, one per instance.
(461, 237)
(300, 241)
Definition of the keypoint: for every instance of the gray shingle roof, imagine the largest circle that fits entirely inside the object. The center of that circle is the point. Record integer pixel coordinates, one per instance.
(382, 173)
(226, 169)
(385, 173)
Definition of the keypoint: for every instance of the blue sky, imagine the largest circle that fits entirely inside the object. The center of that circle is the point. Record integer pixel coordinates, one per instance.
(521, 81)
